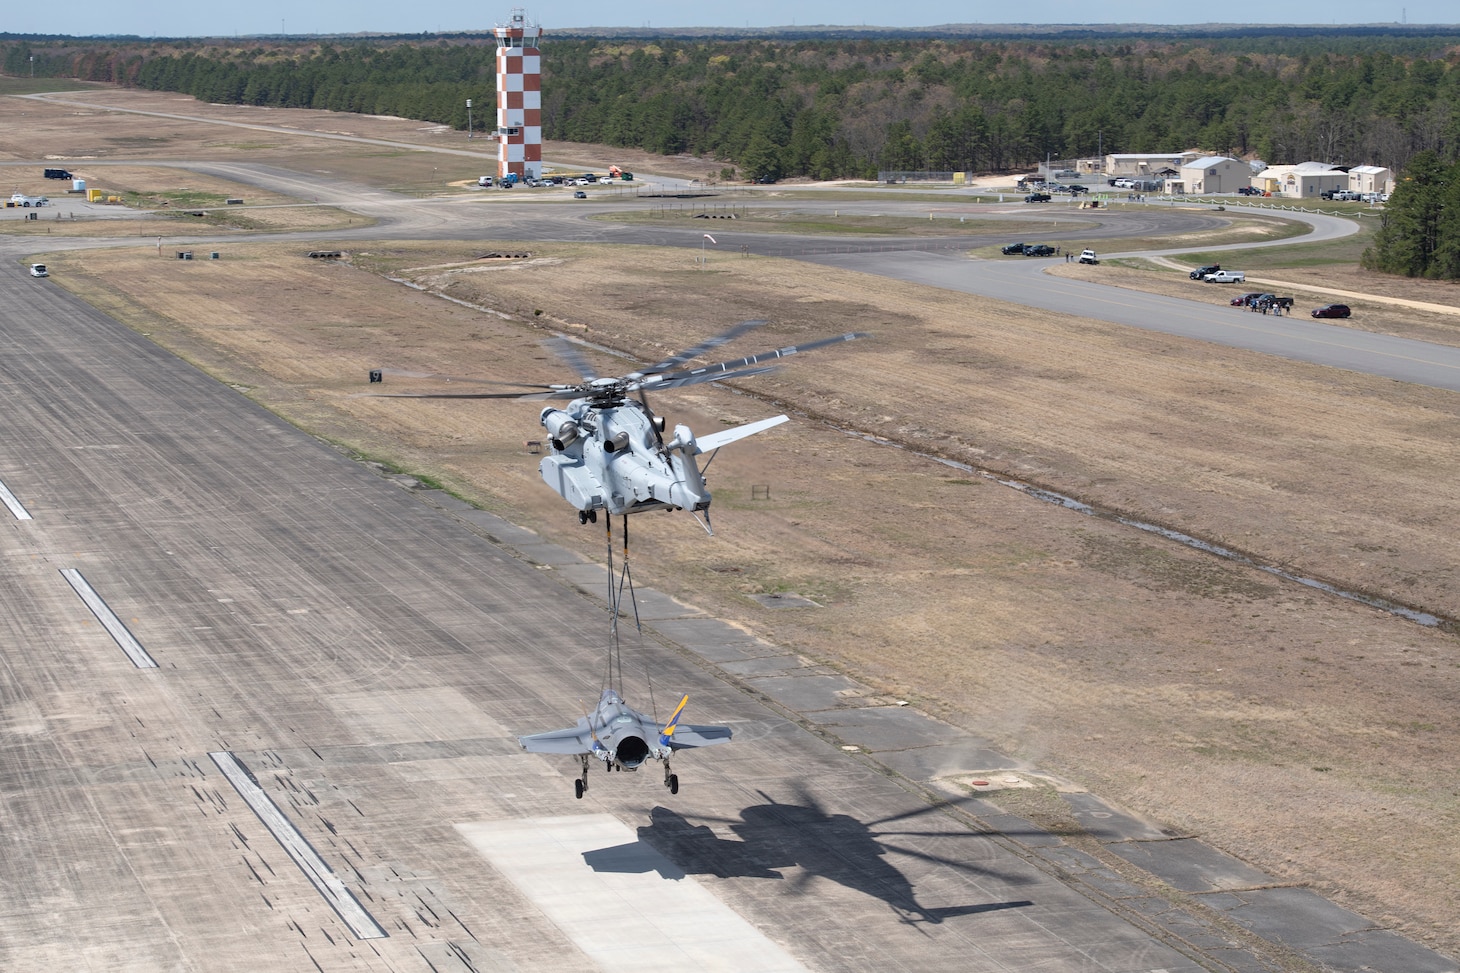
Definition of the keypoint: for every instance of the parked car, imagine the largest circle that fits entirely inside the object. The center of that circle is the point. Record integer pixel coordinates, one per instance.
(1201, 272)
(1225, 277)
(1248, 191)
(1038, 250)
(580, 194)
(1331, 311)
(1244, 300)
(38, 270)
(1013, 248)
(1038, 198)
(1077, 189)
(1088, 257)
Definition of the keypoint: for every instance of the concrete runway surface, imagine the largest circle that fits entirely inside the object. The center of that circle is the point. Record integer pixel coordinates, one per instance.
(258, 710)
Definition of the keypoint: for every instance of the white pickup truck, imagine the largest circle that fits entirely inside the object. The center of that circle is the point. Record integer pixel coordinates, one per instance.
(1225, 277)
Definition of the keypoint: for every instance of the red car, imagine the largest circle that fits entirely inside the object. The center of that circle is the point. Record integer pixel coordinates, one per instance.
(1245, 299)
(1331, 311)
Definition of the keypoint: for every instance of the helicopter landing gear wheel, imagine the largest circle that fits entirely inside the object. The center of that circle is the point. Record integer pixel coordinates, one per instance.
(593, 516)
(674, 783)
(578, 788)
(582, 516)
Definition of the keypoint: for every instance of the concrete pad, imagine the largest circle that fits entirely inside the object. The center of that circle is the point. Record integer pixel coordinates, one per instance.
(804, 693)
(1108, 823)
(1304, 920)
(1191, 866)
(879, 728)
(627, 907)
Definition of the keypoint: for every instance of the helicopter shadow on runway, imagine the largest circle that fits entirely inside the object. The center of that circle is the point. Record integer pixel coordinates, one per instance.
(774, 837)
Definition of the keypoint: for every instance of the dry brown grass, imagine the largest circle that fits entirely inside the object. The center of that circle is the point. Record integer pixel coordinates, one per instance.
(1300, 732)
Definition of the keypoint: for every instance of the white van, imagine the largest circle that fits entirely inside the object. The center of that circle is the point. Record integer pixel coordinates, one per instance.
(38, 270)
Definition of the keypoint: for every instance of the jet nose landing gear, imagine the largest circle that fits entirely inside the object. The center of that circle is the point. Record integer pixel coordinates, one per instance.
(671, 781)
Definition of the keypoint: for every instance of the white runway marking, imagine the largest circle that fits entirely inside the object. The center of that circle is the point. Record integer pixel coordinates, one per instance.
(16, 507)
(636, 912)
(320, 875)
(109, 620)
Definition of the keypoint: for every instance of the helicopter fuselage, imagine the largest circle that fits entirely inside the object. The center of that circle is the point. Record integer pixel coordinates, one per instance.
(613, 457)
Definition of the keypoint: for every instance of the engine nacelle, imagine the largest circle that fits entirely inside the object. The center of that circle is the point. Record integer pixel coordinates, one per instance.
(562, 428)
(616, 442)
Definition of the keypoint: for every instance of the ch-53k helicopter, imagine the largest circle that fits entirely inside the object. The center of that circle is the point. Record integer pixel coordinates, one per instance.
(606, 447)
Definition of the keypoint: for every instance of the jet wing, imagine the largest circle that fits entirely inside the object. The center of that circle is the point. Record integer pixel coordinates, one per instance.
(686, 736)
(574, 740)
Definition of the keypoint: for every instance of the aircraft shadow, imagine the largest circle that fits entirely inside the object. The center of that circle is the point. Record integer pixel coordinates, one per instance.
(773, 837)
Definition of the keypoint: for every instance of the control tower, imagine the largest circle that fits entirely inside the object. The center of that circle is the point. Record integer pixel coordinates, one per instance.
(519, 98)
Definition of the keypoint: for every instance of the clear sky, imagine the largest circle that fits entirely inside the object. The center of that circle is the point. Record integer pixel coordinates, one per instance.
(195, 18)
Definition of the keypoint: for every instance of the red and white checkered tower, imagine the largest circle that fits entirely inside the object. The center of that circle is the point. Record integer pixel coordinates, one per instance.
(519, 98)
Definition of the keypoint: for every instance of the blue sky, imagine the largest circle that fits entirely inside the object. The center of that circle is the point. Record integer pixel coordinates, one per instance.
(192, 18)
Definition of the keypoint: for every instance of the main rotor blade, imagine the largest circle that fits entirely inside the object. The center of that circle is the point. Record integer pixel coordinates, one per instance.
(570, 353)
(437, 377)
(717, 369)
(689, 354)
(659, 384)
(520, 396)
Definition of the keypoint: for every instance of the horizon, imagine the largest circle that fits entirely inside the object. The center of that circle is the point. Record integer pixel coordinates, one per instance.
(173, 20)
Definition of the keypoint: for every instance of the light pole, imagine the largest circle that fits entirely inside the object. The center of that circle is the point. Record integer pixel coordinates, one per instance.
(468, 118)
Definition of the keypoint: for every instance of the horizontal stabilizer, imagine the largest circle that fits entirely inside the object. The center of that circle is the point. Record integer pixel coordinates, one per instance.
(717, 439)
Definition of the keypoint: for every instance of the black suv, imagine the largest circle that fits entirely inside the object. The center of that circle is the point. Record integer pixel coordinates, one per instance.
(1201, 272)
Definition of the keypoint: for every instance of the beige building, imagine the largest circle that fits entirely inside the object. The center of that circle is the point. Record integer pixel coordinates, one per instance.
(1370, 179)
(1306, 180)
(1214, 174)
(1146, 165)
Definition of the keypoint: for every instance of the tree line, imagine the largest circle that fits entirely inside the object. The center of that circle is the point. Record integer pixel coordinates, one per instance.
(1420, 232)
(851, 107)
